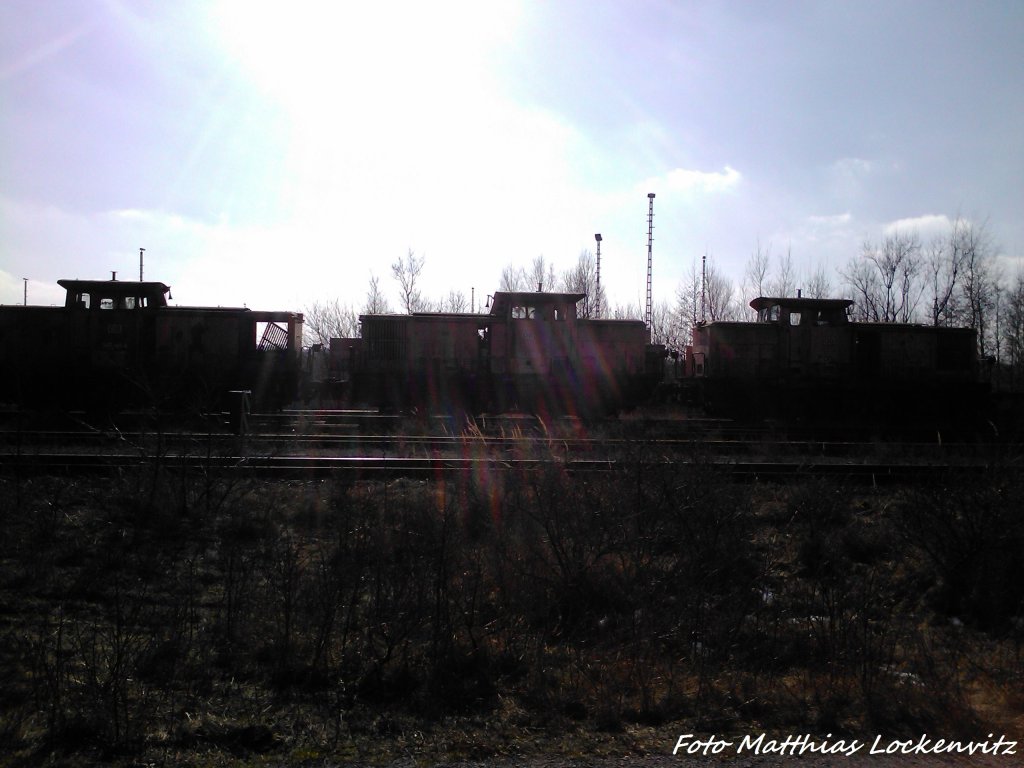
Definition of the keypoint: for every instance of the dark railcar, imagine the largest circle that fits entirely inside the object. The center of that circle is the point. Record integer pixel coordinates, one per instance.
(117, 344)
(532, 352)
(804, 357)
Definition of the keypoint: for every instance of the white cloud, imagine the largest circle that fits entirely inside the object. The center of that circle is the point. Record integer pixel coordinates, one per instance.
(694, 182)
(828, 232)
(927, 226)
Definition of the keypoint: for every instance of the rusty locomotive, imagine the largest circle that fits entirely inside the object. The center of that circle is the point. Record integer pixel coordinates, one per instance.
(531, 352)
(118, 343)
(804, 357)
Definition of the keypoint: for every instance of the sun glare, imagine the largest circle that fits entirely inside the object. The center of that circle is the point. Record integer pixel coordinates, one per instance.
(316, 58)
(399, 107)
(371, 91)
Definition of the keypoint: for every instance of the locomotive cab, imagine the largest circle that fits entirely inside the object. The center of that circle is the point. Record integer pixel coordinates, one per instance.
(116, 344)
(112, 294)
(802, 312)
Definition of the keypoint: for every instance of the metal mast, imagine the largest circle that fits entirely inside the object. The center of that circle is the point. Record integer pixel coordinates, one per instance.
(703, 287)
(650, 242)
(597, 291)
(141, 251)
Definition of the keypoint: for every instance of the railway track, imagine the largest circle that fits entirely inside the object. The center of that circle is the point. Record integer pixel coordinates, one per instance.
(371, 446)
(434, 447)
(389, 467)
(679, 423)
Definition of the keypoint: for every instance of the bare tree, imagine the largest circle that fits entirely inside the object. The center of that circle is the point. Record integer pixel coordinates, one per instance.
(627, 312)
(1012, 331)
(542, 273)
(819, 286)
(667, 327)
(582, 278)
(784, 282)
(945, 265)
(863, 281)
(407, 272)
(886, 278)
(376, 302)
(998, 311)
(899, 264)
(513, 279)
(705, 295)
(719, 295)
(689, 310)
(456, 301)
(326, 320)
(978, 287)
(755, 276)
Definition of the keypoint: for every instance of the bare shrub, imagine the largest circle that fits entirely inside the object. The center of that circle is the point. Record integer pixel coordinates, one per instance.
(971, 537)
(659, 591)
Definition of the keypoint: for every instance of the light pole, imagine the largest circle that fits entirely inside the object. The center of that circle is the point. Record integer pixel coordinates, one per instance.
(597, 298)
(650, 240)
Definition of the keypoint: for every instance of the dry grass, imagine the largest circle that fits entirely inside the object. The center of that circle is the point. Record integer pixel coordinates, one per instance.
(192, 618)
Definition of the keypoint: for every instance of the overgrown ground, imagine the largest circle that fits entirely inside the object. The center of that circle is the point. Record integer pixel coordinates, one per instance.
(161, 617)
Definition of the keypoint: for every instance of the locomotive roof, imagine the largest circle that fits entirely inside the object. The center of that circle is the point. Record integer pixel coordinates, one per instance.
(121, 287)
(797, 302)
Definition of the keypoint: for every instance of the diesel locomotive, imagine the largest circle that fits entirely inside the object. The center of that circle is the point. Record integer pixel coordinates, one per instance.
(805, 357)
(531, 352)
(117, 344)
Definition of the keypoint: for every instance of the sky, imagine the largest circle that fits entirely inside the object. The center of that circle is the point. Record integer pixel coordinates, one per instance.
(277, 154)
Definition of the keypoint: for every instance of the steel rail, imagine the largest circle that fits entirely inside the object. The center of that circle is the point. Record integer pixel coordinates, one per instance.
(412, 445)
(387, 467)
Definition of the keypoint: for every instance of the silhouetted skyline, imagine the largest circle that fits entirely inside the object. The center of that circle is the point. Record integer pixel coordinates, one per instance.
(276, 156)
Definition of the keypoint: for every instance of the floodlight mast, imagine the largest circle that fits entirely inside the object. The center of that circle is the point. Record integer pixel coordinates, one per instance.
(650, 242)
(703, 287)
(597, 290)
